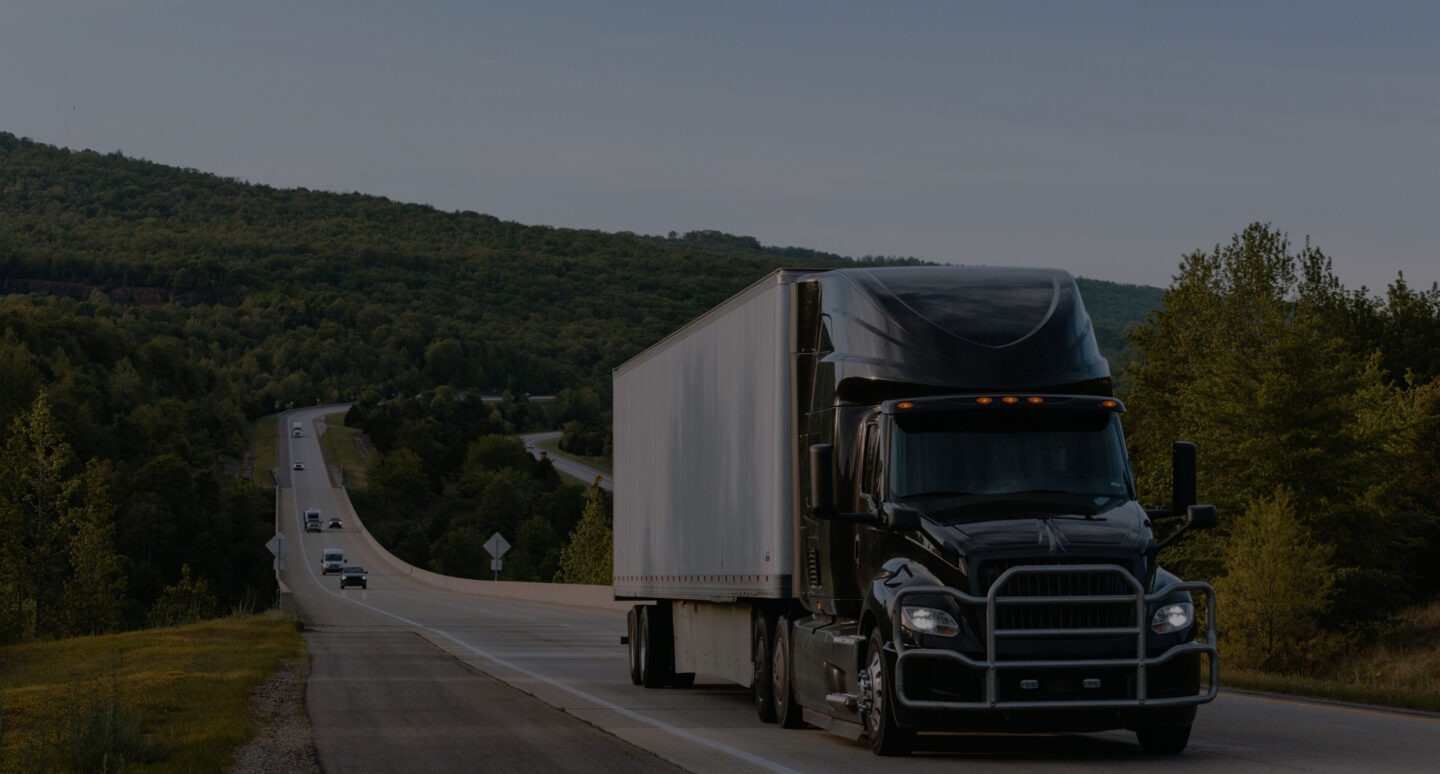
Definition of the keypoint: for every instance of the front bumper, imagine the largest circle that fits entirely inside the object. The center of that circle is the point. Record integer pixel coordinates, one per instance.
(1136, 677)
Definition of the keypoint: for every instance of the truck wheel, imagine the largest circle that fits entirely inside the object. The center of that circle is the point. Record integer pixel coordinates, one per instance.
(655, 643)
(886, 736)
(761, 652)
(782, 690)
(632, 629)
(1163, 740)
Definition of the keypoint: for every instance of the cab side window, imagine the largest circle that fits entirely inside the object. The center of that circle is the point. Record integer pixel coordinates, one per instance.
(870, 463)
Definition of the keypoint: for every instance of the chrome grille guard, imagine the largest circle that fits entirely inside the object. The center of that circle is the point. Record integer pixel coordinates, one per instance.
(992, 665)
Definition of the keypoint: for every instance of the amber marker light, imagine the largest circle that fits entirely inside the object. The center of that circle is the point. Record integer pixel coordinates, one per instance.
(904, 404)
(1010, 399)
(1109, 403)
(1035, 400)
(984, 401)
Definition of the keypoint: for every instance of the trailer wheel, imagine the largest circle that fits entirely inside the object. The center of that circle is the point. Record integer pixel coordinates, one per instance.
(761, 651)
(1163, 740)
(782, 689)
(632, 629)
(886, 736)
(655, 645)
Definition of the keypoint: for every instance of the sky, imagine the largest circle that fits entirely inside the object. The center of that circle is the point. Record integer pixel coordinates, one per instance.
(1106, 138)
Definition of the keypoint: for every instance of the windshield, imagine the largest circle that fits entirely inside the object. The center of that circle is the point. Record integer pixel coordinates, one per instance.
(1009, 452)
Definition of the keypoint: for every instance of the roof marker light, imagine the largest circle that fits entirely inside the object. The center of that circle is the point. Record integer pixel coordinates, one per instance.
(1035, 399)
(1010, 399)
(984, 401)
(904, 404)
(1110, 403)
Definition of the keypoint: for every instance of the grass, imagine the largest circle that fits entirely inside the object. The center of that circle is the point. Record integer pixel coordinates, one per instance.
(605, 464)
(174, 699)
(338, 442)
(1401, 669)
(263, 441)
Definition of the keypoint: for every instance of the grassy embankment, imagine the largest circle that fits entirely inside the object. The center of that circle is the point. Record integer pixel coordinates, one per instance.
(338, 442)
(1402, 669)
(175, 699)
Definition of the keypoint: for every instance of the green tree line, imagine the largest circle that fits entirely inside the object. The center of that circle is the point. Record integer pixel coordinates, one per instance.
(1316, 410)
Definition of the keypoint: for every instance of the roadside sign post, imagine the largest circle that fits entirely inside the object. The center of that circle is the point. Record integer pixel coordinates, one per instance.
(497, 545)
(278, 545)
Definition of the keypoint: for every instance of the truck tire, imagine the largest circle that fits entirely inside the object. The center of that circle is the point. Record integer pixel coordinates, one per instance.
(632, 631)
(1163, 740)
(655, 645)
(762, 637)
(782, 687)
(886, 736)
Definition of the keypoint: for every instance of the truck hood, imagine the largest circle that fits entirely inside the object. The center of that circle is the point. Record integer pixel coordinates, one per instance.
(1120, 530)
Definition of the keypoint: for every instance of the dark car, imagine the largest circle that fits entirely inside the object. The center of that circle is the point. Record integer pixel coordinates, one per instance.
(353, 576)
(334, 523)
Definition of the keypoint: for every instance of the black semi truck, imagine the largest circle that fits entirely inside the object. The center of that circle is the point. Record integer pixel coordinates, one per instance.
(895, 500)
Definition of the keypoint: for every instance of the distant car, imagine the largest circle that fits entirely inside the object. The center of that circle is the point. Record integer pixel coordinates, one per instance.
(299, 465)
(332, 560)
(312, 513)
(530, 447)
(312, 525)
(334, 522)
(353, 576)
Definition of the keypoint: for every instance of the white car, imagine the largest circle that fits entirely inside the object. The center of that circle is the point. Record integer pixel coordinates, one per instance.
(299, 465)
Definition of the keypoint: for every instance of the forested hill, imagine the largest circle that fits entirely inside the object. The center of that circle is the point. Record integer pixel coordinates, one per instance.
(302, 295)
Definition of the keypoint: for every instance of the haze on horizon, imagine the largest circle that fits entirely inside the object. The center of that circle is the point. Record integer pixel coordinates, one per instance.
(1107, 139)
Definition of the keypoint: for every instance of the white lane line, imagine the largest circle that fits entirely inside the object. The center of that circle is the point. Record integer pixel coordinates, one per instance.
(736, 752)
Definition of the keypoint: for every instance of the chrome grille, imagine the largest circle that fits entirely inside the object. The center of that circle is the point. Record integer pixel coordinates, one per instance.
(1043, 584)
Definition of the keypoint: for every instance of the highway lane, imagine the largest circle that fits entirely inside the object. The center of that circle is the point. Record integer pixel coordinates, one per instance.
(570, 658)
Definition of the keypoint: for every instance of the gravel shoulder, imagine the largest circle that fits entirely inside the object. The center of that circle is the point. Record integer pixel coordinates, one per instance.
(284, 741)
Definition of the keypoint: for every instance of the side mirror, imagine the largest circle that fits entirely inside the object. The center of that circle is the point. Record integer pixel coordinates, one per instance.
(1182, 472)
(1182, 481)
(900, 517)
(1201, 517)
(822, 480)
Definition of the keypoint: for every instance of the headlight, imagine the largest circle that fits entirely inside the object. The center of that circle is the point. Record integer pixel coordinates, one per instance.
(1172, 618)
(928, 620)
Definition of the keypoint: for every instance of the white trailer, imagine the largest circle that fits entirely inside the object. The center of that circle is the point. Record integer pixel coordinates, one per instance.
(702, 440)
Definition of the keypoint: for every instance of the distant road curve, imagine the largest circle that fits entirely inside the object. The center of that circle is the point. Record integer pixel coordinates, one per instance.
(568, 466)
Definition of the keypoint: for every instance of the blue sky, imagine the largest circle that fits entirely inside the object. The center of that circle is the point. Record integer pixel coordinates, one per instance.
(1105, 138)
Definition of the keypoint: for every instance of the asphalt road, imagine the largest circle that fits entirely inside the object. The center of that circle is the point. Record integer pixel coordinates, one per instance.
(569, 467)
(407, 677)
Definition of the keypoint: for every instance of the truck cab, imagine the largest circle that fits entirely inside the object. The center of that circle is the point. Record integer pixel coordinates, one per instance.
(973, 542)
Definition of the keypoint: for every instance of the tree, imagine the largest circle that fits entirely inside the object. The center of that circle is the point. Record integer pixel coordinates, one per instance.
(588, 557)
(188, 600)
(1249, 357)
(1276, 588)
(94, 593)
(34, 494)
(401, 474)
